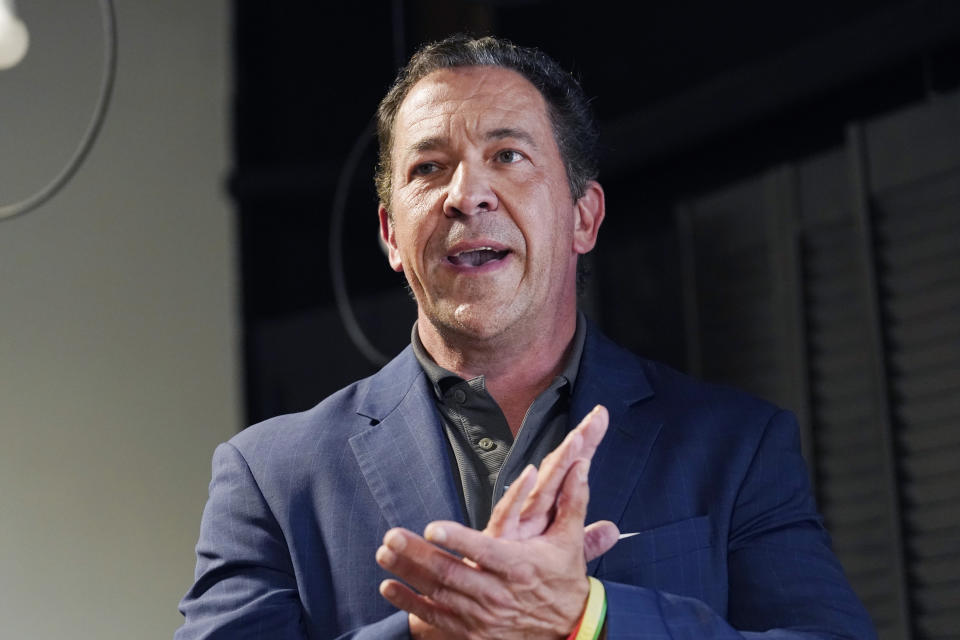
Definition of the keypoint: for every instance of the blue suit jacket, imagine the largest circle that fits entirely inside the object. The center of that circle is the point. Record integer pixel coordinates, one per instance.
(730, 542)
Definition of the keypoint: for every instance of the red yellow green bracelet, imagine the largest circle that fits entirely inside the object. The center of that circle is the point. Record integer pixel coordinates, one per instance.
(591, 622)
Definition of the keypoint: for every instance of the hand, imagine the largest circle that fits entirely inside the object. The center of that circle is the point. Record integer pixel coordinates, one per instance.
(522, 513)
(502, 588)
(529, 506)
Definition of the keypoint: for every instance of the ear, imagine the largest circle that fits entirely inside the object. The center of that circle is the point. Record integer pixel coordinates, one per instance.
(589, 211)
(389, 239)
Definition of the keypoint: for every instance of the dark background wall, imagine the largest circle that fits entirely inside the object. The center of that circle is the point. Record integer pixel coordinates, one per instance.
(783, 183)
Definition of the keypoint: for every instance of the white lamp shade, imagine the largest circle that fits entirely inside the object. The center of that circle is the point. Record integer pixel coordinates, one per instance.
(14, 37)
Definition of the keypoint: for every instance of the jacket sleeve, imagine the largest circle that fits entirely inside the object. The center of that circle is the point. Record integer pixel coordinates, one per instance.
(784, 580)
(244, 586)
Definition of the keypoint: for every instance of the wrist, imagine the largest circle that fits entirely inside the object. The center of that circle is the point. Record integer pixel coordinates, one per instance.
(578, 602)
(591, 622)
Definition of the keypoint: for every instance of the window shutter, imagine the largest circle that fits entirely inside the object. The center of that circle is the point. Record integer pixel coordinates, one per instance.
(918, 251)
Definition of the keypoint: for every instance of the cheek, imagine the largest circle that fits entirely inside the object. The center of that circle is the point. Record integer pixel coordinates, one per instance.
(416, 201)
(547, 216)
(413, 230)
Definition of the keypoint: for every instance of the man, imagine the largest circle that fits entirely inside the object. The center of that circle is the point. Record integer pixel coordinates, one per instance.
(487, 198)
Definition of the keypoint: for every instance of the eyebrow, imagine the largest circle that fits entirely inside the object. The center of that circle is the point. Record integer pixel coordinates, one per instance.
(435, 142)
(427, 144)
(510, 132)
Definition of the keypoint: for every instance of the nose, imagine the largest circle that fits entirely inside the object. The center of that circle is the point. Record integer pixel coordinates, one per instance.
(469, 192)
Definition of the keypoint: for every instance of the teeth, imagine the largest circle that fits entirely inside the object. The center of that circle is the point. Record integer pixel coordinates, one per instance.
(477, 257)
(477, 249)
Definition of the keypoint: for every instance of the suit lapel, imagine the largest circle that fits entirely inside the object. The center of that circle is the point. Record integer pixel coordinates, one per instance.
(616, 379)
(403, 457)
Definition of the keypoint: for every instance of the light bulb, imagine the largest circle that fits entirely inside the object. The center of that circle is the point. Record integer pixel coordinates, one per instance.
(14, 37)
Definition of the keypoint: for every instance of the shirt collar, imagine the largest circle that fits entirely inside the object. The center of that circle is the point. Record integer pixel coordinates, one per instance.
(442, 379)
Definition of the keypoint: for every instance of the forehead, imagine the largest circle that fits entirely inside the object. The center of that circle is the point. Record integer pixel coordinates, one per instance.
(473, 98)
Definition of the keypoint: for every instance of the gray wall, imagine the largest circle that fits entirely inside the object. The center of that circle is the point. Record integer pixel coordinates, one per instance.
(118, 319)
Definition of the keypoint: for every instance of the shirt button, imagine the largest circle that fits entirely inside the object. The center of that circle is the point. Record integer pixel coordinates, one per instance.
(486, 444)
(460, 396)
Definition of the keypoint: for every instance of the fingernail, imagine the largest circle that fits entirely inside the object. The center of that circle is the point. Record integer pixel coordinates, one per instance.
(583, 469)
(395, 540)
(385, 557)
(435, 533)
(388, 589)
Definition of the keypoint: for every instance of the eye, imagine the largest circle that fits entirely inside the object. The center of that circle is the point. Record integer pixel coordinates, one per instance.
(508, 156)
(424, 169)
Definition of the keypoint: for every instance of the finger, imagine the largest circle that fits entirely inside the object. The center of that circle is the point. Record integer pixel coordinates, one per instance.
(420, 629)
(581, 442)
(572, 502)
(431, 570)
(490, 554)
(598, 538)
(594, 430)
(591, 429)
(538, 508)
(433, 613)
(505, 517)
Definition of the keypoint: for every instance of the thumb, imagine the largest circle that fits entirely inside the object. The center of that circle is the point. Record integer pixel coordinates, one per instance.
(598, 538)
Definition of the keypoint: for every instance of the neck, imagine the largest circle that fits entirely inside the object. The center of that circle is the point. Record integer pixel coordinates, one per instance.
(516, 368)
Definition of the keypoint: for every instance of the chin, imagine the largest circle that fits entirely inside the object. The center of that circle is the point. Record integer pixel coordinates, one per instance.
(472, 321)
(475, 325)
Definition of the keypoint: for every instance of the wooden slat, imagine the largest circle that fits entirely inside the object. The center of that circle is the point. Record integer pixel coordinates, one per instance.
(843, 417)
(927, 384)
(846, 337)
(941, 626)
(944, 541)
(902, 280)
(847, 541)
(936, 328)
(838, 365)
(854, 433)
(939, 596)
(916, 225)
(939, 410)
(929, 439)
(927, 302)
(939, 516)
(938, 571)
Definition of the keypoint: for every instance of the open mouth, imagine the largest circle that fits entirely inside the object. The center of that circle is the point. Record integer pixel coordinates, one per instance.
(477, 257)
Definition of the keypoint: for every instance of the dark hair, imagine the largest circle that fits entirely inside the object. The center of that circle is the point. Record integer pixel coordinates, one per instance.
(570, 116)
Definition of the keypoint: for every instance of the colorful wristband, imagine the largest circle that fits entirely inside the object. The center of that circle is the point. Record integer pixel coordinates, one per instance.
(593, 615)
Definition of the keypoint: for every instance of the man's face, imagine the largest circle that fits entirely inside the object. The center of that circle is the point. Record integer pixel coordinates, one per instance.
(483, 223)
